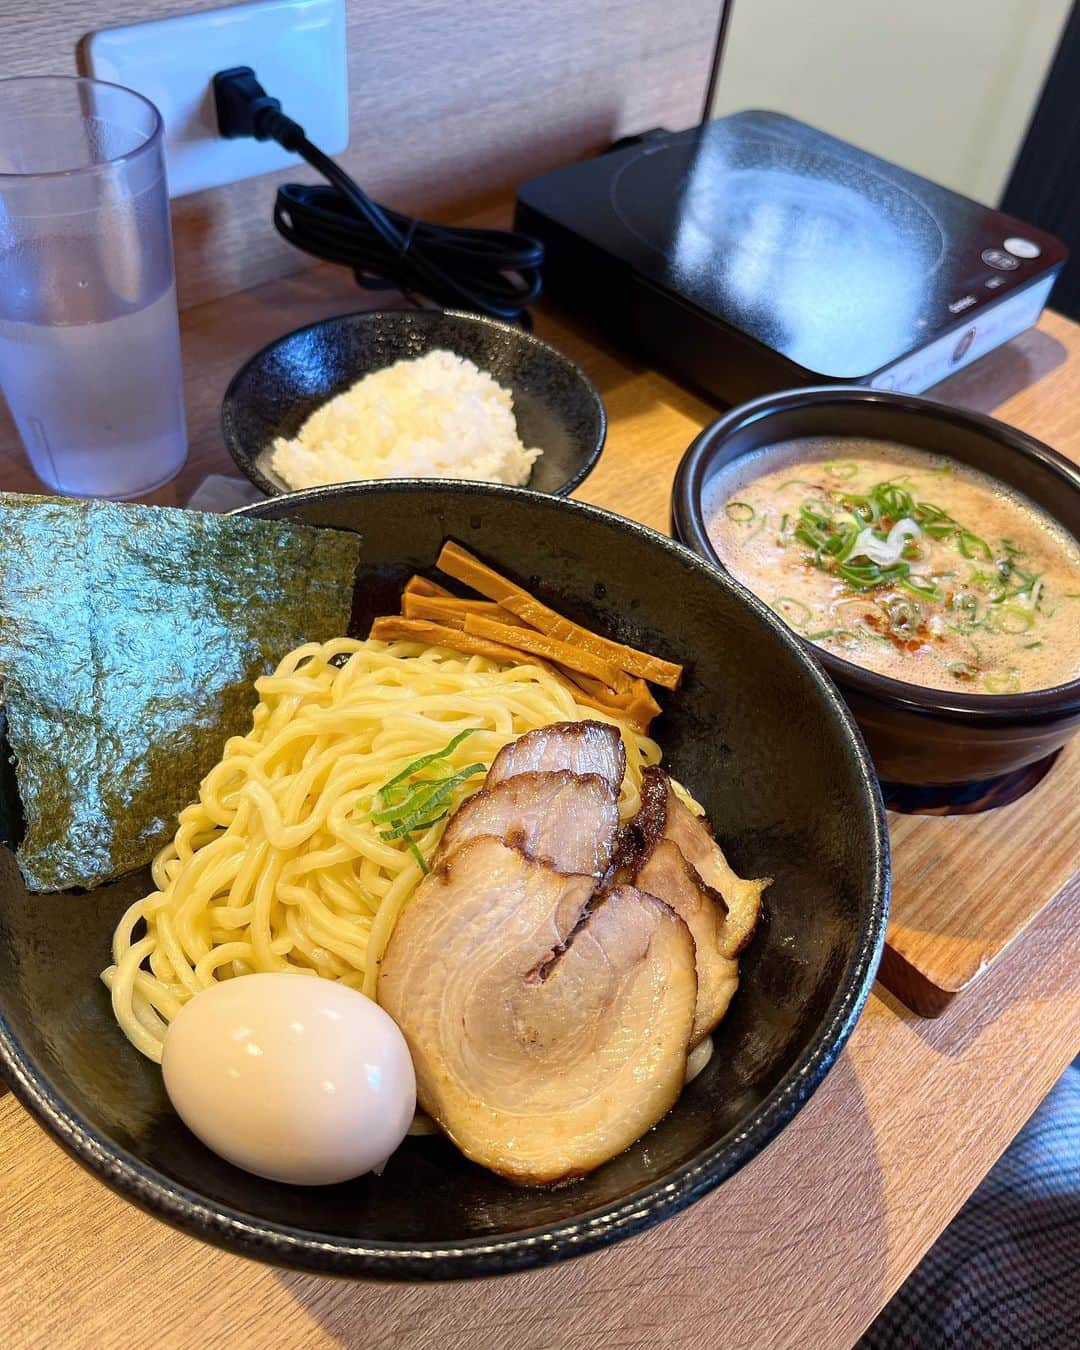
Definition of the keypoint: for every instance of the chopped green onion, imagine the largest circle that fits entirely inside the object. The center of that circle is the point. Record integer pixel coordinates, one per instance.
(842, 533)
(925, 587)
(434, 796)
(925, 511)
(971, 546)
(840, 545)
(862, 508)
(414, 849)
(412, 794)
(792, 611)
(966, 606)
(961, 670)
(1013, 619)
(740, 512)
(865, 577)
(813, 528)
(422, 763)
(408, 804)
(1012, 580)
(818, 509)
(1031, 646)
(904, 616)
(893, 501)
(842, 635)
(1002, 682)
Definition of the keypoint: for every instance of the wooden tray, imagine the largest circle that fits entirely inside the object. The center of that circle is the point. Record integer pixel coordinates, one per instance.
(964, 887)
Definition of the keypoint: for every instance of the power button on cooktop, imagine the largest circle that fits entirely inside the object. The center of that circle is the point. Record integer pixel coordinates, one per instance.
(1022, 248)
(996, 257)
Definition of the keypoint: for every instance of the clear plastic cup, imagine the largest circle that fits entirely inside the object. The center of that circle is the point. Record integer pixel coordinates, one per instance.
(89, 338)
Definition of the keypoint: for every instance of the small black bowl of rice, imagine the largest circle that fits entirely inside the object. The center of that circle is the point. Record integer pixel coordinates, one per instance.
(412, 394)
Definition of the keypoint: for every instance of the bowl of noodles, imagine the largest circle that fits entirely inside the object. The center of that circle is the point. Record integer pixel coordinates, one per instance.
(753, 735)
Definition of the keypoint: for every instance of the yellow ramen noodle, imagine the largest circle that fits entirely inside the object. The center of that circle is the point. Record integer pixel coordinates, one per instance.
(277, 867)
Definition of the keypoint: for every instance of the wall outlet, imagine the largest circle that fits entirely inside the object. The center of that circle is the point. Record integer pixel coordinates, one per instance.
(297, 49)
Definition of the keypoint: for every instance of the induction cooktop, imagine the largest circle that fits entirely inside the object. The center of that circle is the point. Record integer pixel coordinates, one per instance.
(755, 253)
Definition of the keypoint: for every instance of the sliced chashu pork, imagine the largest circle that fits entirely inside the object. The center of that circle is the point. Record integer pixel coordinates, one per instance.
(670, 853)
(548, 1026)
(667, 875)
(580, 747)
(564, 818)
(697, 845)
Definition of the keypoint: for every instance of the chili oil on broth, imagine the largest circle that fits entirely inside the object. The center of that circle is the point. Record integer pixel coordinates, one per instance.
(967, 585)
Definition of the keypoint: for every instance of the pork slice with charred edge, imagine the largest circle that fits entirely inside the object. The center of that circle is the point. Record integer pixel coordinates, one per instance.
(669, 852)
(567, 819)
(548, 1023)
(583, 748)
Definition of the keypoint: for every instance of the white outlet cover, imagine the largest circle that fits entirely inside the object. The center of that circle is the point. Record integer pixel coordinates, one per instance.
(297, 49)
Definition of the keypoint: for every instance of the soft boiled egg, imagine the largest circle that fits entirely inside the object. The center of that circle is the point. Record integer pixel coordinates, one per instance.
(293, 1077)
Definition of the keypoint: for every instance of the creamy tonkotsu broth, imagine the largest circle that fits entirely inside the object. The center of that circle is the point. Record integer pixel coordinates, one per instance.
(911, 565)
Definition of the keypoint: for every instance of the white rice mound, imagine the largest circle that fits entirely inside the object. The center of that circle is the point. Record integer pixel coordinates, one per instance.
(436, 416)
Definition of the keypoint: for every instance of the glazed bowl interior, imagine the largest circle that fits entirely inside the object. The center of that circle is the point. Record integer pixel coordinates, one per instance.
(1040, 473)
(756, 732)
(556, 406)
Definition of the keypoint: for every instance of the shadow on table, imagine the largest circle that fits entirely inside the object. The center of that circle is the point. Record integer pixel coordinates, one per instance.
(1001, 374)
(793, 1249)
(628, 384)
(1047, 946)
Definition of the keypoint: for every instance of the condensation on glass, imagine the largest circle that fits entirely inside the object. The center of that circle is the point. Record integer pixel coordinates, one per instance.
(89, 337)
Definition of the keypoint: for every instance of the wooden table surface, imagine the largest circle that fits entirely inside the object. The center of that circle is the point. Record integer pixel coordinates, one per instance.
(805, 1245)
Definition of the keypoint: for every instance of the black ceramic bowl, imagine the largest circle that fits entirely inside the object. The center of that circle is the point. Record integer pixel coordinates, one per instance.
(756, 731)
(916, 735)
(556, 405)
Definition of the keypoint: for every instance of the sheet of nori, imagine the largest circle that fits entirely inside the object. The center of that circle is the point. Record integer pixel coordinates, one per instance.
(129, 640)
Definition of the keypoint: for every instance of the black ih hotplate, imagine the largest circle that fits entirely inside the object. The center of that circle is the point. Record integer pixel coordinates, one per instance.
(754, 253)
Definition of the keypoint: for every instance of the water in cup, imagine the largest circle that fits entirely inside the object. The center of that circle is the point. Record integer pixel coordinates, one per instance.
(89, 375)
(89, 336)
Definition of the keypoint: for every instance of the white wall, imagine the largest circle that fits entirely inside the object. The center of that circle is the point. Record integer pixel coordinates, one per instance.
(942, 87)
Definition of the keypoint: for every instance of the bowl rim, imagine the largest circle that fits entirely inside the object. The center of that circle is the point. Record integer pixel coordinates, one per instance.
(708, 451)
(285, 1245)
(248, 465)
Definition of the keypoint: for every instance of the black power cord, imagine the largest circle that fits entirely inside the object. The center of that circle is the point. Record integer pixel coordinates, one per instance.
(496, 272)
